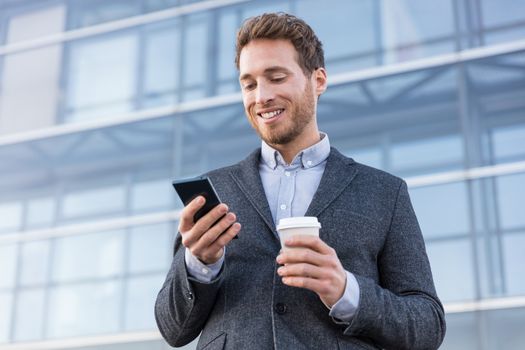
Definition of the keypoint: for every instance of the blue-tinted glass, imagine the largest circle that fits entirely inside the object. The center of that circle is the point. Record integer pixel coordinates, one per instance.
(96, 201)
(413, 29)
(226, 70)
(151, 248)
(462, 332)
(509, 143)
(445, 150)
(40, 212)
(195, 56)
(7, 265)
(256, 8)
(34, 262)
(514, 260)
(497, 88)
(504, 329)
(511, 198)
(94, 255)
(11, 214)
(442, 210)
(83, 309)
(6, 303)
(29, 316)
(101, 79)
(152, 195)
(497, 12)
(229, 138)
(338, 30)
(141, 293)
(452, 269)
(88, 13)
(409, 116)
(161, 71)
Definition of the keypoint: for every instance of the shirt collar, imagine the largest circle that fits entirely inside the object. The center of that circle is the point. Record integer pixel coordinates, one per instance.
(308, 158)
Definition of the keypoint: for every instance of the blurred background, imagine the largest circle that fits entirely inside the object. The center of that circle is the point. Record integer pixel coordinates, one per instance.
(103, 103)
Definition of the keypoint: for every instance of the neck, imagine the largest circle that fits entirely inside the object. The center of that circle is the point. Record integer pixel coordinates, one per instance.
(290, 150)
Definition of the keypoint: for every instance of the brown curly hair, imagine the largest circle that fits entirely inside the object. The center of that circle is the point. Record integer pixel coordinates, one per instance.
(280, 25)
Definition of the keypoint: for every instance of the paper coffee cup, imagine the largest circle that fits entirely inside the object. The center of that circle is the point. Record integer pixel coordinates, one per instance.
(299, 225)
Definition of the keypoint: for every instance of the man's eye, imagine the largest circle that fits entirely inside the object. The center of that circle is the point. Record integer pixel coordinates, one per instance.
(277, 79)
(248, 86)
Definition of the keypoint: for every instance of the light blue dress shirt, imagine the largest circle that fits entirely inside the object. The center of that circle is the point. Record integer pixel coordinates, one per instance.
(289, 189)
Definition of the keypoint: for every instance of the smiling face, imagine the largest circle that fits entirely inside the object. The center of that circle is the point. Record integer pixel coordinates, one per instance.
(279, 100)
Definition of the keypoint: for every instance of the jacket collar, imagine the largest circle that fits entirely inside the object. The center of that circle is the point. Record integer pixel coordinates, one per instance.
(338, 174)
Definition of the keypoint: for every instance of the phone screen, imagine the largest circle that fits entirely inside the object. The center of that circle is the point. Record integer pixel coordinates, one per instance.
(190, 188)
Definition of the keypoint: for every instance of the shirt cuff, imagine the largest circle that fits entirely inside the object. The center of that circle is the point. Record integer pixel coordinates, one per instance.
(200, 271)
(346, 307)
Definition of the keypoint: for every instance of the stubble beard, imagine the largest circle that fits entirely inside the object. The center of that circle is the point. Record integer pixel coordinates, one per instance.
(301, 114)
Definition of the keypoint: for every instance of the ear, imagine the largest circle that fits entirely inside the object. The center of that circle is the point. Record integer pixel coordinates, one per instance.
(321, 80)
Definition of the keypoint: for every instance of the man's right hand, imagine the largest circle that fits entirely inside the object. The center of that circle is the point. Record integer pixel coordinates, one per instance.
(205, 238)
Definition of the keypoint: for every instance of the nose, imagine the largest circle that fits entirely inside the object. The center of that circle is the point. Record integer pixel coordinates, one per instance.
(263, 94)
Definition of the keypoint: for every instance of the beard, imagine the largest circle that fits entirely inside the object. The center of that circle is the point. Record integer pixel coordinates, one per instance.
(300, 115)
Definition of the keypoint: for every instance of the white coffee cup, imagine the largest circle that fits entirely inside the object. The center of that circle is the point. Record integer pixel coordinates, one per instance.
(299, 225)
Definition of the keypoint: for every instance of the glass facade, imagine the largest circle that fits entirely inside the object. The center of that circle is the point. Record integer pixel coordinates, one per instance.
(102, 103)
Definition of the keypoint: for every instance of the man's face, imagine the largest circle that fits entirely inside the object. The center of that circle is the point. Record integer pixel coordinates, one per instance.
(279, 100)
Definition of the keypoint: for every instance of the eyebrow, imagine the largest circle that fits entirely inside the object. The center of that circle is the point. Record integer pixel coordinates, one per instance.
(267, 71)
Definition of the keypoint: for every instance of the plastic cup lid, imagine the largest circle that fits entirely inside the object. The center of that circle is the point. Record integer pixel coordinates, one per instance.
(298, 221)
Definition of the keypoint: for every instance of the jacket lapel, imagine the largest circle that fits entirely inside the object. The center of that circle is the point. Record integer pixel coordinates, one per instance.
(337, 175)
(246, 176)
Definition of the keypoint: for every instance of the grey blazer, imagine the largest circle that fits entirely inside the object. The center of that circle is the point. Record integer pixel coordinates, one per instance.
(366, 216)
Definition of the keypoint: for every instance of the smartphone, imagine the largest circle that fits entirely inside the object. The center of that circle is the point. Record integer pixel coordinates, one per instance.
(189, 189)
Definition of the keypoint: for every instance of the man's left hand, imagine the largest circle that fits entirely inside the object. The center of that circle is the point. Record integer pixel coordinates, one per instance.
(313, 265)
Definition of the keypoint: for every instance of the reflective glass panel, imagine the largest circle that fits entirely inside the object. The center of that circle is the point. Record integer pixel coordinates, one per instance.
(141, 293)
(7, 265)
(161, 71)
(34, 262)
(11, 214)
(462, 332)
(503, 20)
(442, 210)
(102, 77)
(151, 248)
(511, 199)
(6, 302)
(452, 269)
(95, 201)
(83, 309)
(149, 195)
(514, 261)
(40, 212)
(195, 55)
(29, 318)
(91, 256)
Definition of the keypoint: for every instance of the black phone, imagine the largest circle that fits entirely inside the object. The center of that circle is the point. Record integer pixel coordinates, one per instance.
(189, 189)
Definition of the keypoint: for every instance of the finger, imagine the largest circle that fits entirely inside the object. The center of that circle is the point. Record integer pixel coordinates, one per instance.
(207, 221)
(318, 286)
(311, 242)
(226, 237)
(213, 249)
(187, 214)
(302, 270)
(207, 238)
(302, 255)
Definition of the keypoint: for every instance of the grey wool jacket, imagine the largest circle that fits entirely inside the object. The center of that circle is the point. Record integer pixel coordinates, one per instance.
(366, 216)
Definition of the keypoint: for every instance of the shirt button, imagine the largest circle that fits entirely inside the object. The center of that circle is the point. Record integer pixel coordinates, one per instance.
(283, 206)
(190, 296)
(287, 173)
(205, 270)
(309, 163)
(280, 308)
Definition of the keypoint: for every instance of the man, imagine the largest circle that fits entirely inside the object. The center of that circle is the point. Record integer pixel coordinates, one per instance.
(365, 283)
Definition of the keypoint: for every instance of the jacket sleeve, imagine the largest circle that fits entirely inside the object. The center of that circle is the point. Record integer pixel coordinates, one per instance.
(183, 303)
(403, 310)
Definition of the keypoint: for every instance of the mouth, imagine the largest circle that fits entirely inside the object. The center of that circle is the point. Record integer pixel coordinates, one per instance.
(270, 115)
